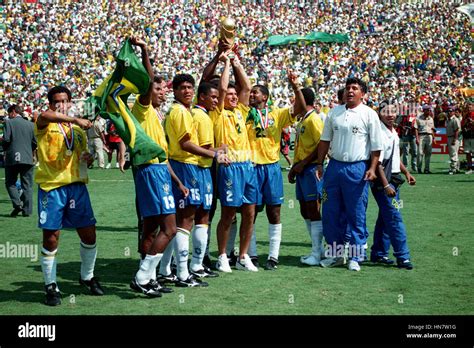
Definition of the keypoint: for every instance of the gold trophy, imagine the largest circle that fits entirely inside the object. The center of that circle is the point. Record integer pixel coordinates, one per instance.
(227, 34)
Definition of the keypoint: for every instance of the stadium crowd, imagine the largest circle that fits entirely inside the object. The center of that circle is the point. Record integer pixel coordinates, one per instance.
(410, 52)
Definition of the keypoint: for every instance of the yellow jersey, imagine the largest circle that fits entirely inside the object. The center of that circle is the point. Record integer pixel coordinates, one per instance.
(56, 167)
(230, 129)
(308, 133)
(265, 143)
(148, 118)
(178, 123)
(205, 133)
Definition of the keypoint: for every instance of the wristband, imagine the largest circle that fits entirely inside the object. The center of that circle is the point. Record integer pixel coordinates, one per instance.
(215, 154)
(386, 186)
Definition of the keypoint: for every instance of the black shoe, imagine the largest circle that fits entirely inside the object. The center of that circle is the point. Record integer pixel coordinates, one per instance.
(191, 282)
(24, 214)
(151, 289)
(167, 279)
(384, 260)
(163, 289)
(53, 296)
(254, 260)
(232, 259)
(419, 171)
(404, 264)
(271, 265)
(205, 272)
(15, 212)
(93, 285)
(427, 172)
(210, 273)
(206, 262)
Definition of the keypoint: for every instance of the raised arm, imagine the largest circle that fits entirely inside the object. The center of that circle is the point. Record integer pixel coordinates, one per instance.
(300, 104)
(146, 98)
(243, 80)
(210, 68)
(224, 81)
(50, 116)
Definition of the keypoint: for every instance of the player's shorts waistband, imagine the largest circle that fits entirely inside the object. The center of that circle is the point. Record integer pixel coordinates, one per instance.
(267, 164)
(146, 165)
(342, 162)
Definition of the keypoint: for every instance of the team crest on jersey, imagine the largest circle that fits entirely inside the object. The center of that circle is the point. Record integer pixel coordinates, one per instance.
(271, 122)
(208, 186)
(302, 129)
(355, 130)
(228, 183)
(239, 115)
(166, 188)
(193, 181)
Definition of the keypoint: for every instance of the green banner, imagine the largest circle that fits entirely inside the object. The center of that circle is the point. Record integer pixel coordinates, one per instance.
(282, 40)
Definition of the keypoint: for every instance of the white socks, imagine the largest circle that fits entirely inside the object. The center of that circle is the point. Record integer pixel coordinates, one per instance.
(253, 243)
(199, 247)
(231, 241)
(88, 256)
(165, 264)
(147, 265)
(274, 237)
(208, 238)
(317, 238)
(48, 265)
(181, 252)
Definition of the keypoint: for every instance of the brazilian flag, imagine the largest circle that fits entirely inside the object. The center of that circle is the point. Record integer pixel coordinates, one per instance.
(110, 102)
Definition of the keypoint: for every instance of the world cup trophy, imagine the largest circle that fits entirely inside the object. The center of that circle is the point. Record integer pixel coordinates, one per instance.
(227, 34)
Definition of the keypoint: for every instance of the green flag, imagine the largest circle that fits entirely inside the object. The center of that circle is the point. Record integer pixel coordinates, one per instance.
(110, 101)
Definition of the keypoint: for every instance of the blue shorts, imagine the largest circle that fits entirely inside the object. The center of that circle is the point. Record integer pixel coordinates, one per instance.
(237, 184)
(153, 190)
(308, 187)
(191, 178)
(269, 184)
(67, 206)
(206, 187)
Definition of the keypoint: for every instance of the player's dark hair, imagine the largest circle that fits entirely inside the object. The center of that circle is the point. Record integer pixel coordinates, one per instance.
(340, 96)
(181, 78)
(263, 89)
(309, 95)
(205, 88)
(158, 79)
(357, 81)
(16, 108)
(57, 90)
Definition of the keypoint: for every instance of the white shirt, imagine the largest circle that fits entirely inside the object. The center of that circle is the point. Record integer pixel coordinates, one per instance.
(322, 116)
(353, 133)
(390, 139)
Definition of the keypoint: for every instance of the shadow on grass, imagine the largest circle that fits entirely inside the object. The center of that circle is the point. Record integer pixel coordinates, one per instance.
(114, 275)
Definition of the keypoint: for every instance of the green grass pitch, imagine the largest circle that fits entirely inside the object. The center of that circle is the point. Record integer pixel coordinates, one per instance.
(437, 212)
